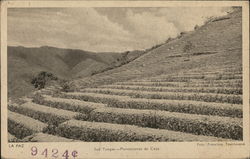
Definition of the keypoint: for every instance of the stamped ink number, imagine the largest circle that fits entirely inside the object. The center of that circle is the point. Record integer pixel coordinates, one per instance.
(33, 151)
(45, 153)
(54, 153)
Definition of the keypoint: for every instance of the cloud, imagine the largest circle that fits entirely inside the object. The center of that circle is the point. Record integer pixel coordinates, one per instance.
(186, 18)
(66, 28)
(102, 30)
(149, 28)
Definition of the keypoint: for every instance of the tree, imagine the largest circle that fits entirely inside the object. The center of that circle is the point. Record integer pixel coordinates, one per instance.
(40, 80)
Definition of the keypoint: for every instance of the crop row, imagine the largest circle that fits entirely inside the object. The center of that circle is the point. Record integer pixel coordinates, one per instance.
(200, 76)
(227, 81)
(183, 84)
(188, 78)
(45, 114)
(207, 73)
(194, 80)
(178, 89)
(190, 123)
(95, 132)
(69, 104)
(21, 126)
(184, 106)
(206, 97)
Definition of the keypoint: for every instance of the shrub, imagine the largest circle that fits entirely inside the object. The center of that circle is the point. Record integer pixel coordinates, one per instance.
(221, 90)
(168, 40)
(67, 86)
(206, 97)
(21, 126)
(183, 33)
(40, 80)
(37, 98)
(196, 27)
(190, 123)
(101, 132)
(45, 114)
(18, 130)
(209, 19)
(188, 47)
(184, 106)
(70, 104)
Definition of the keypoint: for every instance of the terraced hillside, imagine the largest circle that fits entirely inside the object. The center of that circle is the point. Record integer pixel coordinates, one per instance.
(217, 44)
(165, 95)
(189, 106)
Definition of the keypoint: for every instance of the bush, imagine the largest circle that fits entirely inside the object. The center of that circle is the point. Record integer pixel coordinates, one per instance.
(18, 130)
(168, 40)
(184, 106)
(21, 126)
(188, 47)
(40, 80)
(209, 19)
(37, 98)
(67, 86)
(206, 97)
(70, 104)
(154, 47)
(45, 114)
(100, 132)
(196, 27)
(189, 123)
(183, 33)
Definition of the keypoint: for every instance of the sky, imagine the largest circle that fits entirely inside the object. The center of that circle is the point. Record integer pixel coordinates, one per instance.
(102, 29)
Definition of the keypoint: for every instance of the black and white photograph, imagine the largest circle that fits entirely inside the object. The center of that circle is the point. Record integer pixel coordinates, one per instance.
(126, 74)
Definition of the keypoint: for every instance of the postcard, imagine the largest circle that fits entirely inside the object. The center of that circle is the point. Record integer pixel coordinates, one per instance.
(125, 79)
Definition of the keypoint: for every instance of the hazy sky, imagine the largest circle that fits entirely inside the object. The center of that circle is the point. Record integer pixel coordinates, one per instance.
(102, 29)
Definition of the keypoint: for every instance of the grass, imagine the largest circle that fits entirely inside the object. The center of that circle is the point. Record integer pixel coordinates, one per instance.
(178, 89)
(69, 104)
(206, 97)
(96, 132)
(185, 106)
(21, 126)
(190, 123)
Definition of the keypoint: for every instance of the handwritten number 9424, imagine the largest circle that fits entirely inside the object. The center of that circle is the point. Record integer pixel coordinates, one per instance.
(54, 153)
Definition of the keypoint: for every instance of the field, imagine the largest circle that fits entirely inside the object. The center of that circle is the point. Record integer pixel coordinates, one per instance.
(131, 111)
(165, 94)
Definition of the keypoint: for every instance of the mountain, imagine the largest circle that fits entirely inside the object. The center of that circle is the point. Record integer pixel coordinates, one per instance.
(188, 89)
(24, 63)
(218, 43)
